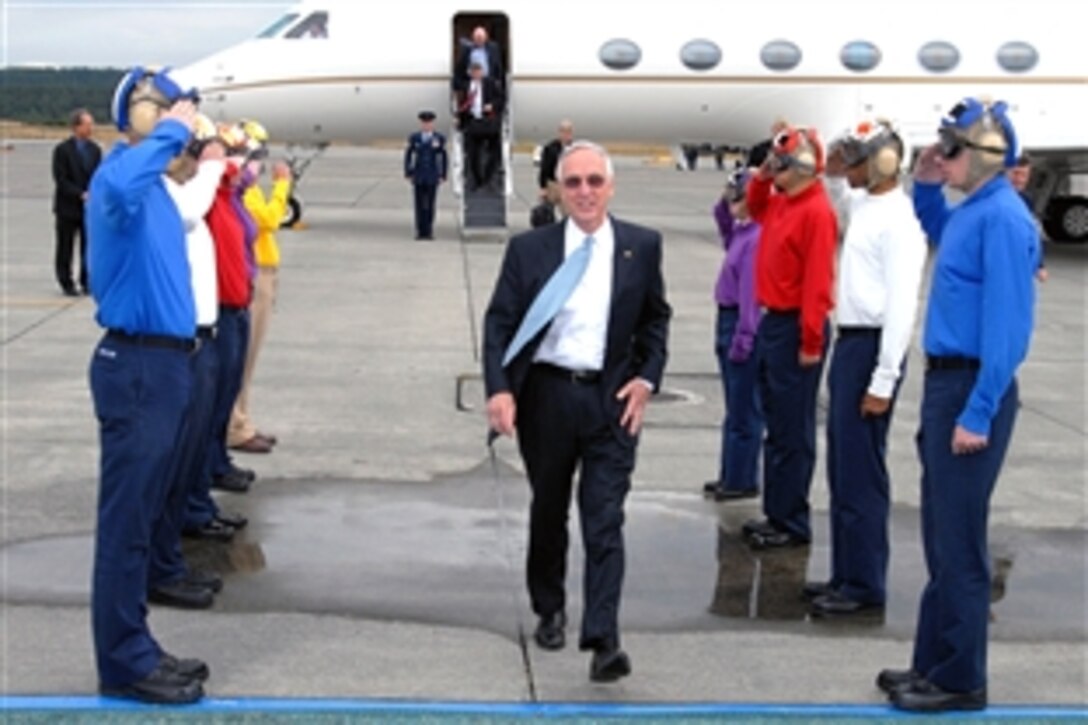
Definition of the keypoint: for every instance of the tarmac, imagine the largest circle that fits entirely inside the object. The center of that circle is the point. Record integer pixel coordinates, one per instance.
(382, 572)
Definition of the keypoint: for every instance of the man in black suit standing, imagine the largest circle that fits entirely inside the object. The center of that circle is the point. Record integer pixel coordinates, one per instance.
(574, 345)
(74, 161)
(480, 119)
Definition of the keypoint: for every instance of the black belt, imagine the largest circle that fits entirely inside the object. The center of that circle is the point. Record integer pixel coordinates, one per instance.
(185, 344)
(858, 331)
(586, 377)
(727, 308)
(206, 332)
(783, 313)
(231, 308)
(936, 362)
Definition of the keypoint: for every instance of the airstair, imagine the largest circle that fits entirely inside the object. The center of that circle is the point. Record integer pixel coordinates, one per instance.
(482, 211)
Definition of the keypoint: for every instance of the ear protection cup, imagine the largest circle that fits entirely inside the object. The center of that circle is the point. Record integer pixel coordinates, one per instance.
(143, 114)
(886, 160)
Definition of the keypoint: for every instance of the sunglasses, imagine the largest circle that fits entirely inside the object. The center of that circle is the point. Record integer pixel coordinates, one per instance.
(950, 145)
(593, 181)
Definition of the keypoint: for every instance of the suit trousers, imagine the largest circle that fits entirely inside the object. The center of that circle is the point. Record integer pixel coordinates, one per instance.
(953, 616)
(563, 426)
(857, 473)
(241, 427)
(140, 394)
(62, 258)
(788, 393)
(167, 563)
(424, 196)
(742, 428)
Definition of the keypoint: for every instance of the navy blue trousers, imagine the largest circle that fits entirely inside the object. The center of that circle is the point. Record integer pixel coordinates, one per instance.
(140, 397)
(788, 393)
(954, 614)
(231, 343)
(167, 562)
(742, 427)
(425, 195)
(857, 475)
(563, 426)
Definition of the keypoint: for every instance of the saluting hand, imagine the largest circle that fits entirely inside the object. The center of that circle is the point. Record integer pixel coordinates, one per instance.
(637, 393)
(927, 168)
(281, 171)
(183, 111)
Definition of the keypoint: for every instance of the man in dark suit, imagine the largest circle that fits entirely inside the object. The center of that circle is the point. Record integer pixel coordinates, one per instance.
(549, 161)
(425, 165)
(74, 161)
(481, 50)
(576, 391)
(480, 118)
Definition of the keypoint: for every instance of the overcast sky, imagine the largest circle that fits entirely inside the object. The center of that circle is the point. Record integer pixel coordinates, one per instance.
(124, 33)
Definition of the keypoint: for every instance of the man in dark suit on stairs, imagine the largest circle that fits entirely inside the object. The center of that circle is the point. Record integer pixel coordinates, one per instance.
(574, 346)
(74, 161)
(480, 118)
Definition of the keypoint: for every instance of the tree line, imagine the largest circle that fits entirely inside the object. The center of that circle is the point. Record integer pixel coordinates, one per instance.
(46, 96)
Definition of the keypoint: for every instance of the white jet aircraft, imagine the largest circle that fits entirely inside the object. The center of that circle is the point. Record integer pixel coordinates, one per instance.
(672, 72)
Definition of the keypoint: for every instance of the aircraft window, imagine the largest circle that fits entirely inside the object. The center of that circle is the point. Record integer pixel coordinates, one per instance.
(700, 54)
(1017, 57)
(620, 54)
(316, 25)
(275, 28)
(860, 55)
(780, 55)
(939, 56)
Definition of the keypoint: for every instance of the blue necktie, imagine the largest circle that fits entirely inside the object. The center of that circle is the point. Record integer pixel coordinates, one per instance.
(551, 298)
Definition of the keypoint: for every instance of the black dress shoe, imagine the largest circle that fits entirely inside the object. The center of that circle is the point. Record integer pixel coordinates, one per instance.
(710, 487)
(201, 579)
(163, 686)
(924, 696)
(182, 595)
(757, 526)
(550, 632)
(609, 665)
(725, 494)
(812, 590)
(836, 604)
(891, 680)
(776, 539)
(213, 530)
(232, 481)
(235, 521)
(189, 668)
(70, 292)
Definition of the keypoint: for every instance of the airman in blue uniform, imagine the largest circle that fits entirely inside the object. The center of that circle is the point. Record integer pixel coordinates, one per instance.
(425, 165)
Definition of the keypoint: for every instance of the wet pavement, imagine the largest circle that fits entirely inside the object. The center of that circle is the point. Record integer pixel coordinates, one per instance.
(384, 558)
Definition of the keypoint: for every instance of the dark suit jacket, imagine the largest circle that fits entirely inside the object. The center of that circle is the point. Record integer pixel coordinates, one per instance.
(638, 323)
(72, 176)
(549, 161)
(425, 162)
(494, 65)
(493, 94)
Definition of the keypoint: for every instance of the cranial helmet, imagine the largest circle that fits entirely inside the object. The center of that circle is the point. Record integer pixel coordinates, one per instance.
(798, 148)
(141, 94)
(876, 143)
(983, 127)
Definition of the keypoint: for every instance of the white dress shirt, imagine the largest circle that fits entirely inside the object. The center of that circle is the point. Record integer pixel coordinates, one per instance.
(193, 199)
(577, 335)
(880, 270)
(477, 91)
